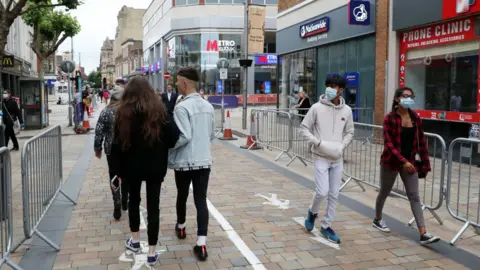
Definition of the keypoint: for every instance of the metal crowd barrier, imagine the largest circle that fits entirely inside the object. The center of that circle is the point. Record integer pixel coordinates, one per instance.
(42, 178)
(277, 127)
(6, 222)
(219, 112)
(463, 186)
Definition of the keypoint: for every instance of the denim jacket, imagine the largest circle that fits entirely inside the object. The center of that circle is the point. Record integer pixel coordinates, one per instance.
(195, 119)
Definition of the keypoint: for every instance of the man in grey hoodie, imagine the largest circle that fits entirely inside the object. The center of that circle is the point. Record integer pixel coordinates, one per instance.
(328, 127)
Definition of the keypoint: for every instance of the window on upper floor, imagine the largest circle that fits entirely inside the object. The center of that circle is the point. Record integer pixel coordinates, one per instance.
(224, 1)
(185, 2)
(265, 2)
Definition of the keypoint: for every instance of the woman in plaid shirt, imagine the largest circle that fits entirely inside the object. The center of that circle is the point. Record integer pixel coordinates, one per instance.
(404, 139)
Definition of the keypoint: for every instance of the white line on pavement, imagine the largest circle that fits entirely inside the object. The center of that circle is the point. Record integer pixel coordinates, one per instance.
(316, 232)
(234, 237)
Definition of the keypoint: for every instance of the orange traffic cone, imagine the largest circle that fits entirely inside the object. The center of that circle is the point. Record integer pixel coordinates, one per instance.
(251, 139)
(86, 122)
(227, 132)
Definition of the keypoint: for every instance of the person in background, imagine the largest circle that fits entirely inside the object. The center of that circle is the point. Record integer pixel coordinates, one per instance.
(86, 102)
(328, 128)
(403, 139)
(202, 94)
(170, 99)
(104, 133)
(143, 133)
(191, 157)
(303, 104)
(119, 84)
(10, 113)
(106, 95)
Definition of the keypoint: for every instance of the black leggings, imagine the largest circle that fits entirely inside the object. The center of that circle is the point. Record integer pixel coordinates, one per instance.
(116, 194)
(10, 134)
(199, 180)
(153, 208)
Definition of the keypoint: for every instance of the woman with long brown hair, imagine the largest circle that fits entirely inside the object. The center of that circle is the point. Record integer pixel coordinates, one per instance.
(104, 133)
(143, 134)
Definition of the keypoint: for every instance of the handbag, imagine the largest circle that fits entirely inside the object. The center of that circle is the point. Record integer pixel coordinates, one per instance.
(16, 123)
(418, 162)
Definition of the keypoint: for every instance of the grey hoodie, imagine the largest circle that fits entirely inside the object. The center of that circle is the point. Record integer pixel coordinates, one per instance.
(328, 128)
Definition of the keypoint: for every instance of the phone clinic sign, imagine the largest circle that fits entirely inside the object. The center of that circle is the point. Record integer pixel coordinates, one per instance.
(438, 34)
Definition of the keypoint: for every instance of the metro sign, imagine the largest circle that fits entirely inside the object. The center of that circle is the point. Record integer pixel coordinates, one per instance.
(221, 46)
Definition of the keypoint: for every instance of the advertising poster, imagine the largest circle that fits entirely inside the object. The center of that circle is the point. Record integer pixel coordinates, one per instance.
(256, 29)
(267, 86)
(219, 87)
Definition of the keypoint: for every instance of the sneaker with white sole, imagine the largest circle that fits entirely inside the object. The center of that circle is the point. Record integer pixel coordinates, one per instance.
(130, 245)
(427, 238)
(381, 225)
(153, 259)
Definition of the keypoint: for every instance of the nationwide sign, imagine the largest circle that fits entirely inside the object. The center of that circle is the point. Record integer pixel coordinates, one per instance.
(221, 46)
(314, 28)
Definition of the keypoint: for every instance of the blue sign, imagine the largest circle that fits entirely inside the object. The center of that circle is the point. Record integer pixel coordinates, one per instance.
(351, 94)
(359, 12)
(228, 101)
(219, 87)
(266, 59)
(314, 28)
(50, 83)
(267, 87)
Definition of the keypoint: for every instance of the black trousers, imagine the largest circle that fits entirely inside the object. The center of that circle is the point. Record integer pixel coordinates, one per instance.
(10, 133)
(199, 180)
(116, 195)
(153, 207)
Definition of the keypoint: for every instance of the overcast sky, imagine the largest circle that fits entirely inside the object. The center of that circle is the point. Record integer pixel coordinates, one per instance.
(98, 19)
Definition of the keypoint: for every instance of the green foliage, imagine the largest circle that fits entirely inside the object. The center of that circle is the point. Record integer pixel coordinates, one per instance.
(50, 27)
(95, 78)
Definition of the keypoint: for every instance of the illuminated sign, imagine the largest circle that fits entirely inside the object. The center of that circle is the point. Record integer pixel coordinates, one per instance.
(221, 46)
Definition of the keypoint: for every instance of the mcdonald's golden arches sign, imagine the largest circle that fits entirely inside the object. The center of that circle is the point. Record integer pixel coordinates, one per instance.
(8, 61)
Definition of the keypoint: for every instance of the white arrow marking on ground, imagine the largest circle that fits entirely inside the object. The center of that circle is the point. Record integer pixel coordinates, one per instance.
(282, 204)
(139, 259)
(318, 237)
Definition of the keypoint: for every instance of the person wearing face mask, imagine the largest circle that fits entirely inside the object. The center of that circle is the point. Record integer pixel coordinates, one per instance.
(404, 139)
(11, 113)
(328, 128)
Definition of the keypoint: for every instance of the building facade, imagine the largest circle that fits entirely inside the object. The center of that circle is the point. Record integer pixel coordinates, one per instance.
(319, 38)
(129, 29)
(25, 60)
(436, 53)
(107, 63)
(197, 33)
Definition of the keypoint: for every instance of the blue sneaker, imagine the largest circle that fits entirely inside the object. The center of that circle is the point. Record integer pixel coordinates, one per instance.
(310, 221)
(152, 260)
(135, 247)
(330, 234)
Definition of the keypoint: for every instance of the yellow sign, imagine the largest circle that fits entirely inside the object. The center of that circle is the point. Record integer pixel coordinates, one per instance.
(8, 61)
(256, 29)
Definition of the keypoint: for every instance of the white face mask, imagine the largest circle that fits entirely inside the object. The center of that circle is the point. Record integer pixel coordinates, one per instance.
(331, 93)
(5, 96)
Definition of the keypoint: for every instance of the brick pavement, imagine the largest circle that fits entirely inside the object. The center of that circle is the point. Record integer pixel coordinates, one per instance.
(95, 241)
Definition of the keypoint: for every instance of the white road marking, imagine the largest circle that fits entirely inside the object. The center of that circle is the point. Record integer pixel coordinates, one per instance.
(318, 237)
(234, 237)
(282, 204)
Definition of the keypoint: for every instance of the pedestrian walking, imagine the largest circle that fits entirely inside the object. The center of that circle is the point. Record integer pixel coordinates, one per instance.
(170, 99)
(106, 95)
(191, 157)
(143, 133)
(104, 134)
(11, 114)
(328, 127)
(405, 152)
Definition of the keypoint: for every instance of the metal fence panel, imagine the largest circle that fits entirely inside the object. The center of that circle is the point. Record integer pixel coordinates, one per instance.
(42, 177)
(463, 185)
(272, 130)
(219, 116)
(6, 223)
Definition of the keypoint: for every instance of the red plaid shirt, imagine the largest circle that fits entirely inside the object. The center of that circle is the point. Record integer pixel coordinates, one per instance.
(391, 156)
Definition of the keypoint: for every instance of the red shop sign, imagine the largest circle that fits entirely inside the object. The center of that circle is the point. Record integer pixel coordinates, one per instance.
(438, 34)
(449, 116)
(455, 8)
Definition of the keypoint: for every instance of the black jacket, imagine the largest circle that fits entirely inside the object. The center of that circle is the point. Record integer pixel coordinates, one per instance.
(141, 161)
(14, 111)
(170, 104)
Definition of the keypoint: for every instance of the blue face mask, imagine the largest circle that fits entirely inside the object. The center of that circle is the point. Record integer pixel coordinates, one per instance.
(331, 93)
(407, 103)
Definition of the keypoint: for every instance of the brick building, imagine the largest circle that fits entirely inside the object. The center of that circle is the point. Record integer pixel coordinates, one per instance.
(317, 38)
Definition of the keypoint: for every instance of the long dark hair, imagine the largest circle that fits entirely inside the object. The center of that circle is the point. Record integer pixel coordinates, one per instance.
(139, 99)
(397, 94)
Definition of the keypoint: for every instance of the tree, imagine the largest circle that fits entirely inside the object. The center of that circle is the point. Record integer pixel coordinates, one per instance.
(15, 8)
(50, 29)
(95, 78)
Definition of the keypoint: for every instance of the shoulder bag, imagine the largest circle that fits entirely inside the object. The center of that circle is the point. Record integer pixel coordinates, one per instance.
(16, 123)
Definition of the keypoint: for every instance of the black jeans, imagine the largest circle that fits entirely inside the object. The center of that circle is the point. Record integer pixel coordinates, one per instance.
(153, 207)
(116, 194)
(10, 133)
(199, 180)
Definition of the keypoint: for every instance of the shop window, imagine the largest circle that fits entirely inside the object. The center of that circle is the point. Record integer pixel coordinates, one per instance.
(298, 72)
(444, 78)
(180, 3)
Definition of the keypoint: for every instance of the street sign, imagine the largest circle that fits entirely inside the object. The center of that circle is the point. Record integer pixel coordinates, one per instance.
(223, 74)
(8, 61)
(67, 66)
(166, 75)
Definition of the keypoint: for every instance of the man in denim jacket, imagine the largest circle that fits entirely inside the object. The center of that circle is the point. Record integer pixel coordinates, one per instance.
(191, 158)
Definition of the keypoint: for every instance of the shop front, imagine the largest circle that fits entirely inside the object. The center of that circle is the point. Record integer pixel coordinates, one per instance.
(440, 62)
(335, 42)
